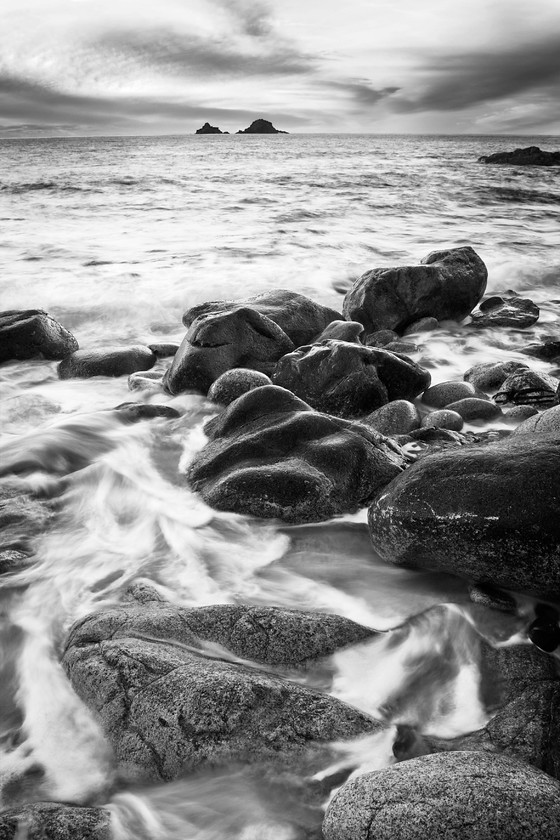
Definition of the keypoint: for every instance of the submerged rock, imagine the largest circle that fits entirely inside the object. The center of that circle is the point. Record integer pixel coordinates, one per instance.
(487, 513)
(464, 795)
(111, 361)
(530, 156)
(347, 379)
(25, 334)
(548, 350)
(510, 311)
(445, 285)
(271, 455)
(253, 333)
(261, 127)
(172, 705)
(55, 821)
(133, 411)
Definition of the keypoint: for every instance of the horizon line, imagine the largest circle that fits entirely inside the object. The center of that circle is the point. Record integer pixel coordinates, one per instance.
(41, 136)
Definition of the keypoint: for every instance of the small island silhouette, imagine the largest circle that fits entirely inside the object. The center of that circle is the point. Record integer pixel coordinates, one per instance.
(259, 126)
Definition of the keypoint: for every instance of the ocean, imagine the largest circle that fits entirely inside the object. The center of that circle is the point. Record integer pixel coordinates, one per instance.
(116, 237)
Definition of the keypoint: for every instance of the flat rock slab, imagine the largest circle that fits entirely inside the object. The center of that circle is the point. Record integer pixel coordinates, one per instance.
(461, 795)
(270, 455)
(446, 285)
(488, 513)
(347, 379)
(54, 821)
(25, 334)
(252, 333)
(167, 708)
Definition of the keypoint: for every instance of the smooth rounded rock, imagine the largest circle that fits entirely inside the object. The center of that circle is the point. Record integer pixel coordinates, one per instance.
(446, 285)
(396, 418)
(134, 411)
(422, 325)
(25, 334)
(149, 380)
(235, 382)
(443, 418)
(444, 393)
(459, 795)
(518, 413)
(342, 331)
(544, 422)
(109, 361)
(472, 409)
(381, 338)
(164, 351)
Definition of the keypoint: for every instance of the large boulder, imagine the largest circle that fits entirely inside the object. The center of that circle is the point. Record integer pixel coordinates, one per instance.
(252, 333)
(445, 285)
(168, 704)
(109, 361)
(348, 380)
(462, 795)
(488, 513)
(271, 455)
(29, 333)
(55, 821)
(529, 156)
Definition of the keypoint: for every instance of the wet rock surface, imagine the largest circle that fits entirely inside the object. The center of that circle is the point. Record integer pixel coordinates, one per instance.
(472, 796)
(526, 387)
(26, 334)
(271, 455)
(236, 382)
(510, 311)
(445, 393)
(445, 285)
(167, 708)
(472, 409)
(253, 333)
(55, 821)
(547, 350)
(490, 375)
(347, 379)
(110, 361)
(443, 418)
(396, 418)
(486, 513)
(544, 422)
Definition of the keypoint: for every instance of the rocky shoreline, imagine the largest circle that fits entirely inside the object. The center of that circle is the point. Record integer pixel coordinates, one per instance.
(321, 413)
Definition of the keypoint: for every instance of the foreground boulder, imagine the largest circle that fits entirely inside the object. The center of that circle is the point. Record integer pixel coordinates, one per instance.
(348, 380)
(252, 333)
(488, 513)
(30, 333)
(110, 361)
(445, 285)
(271, 455)
(462, 795)
(168, 708)
(530, 156)
(54, 821)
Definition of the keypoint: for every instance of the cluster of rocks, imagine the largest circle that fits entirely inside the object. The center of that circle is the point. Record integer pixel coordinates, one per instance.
(259, 126)
(530, 156)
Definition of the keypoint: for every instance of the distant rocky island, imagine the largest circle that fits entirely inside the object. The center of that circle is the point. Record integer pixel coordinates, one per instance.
(531, 156)
(257, 127)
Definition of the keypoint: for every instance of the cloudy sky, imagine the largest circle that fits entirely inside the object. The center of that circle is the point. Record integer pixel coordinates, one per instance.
(166, 66)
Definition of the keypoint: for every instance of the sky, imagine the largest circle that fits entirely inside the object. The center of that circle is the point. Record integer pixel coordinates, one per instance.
(103, 67)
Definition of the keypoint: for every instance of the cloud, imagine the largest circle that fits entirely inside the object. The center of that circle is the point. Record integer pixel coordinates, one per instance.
(456, 82)
(362, 92)
(253, 17)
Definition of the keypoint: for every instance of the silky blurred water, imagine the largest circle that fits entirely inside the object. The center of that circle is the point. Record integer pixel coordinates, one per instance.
(117, 237)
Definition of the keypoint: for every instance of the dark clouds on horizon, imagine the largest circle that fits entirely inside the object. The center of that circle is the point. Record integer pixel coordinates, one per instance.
(157, 75)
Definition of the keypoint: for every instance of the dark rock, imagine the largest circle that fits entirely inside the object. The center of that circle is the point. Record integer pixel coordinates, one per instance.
(443, 418)
(547, 351)
(25, 334)
(506, 312)
(489, 376)
(111, 361)
(261, 127)
(341, 331)
(446, 285)
(401, 347)
(208, 129)
(348, 380)
(422, 325)
(396, 418)
(528, 388)
(380, 338)
(519, 413)
(22, 518)
(545, 422)
(150, 380)
(12, 561)
(271, 455)
(134, 411)
(489, 596)
(236, 382)
(445, 393)
(483, 512)
(169, 708)
(163, 351)
(54, 821)
(253, 333)
(463, 795)
(472, 409)
(530, 156)
(438, 437)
